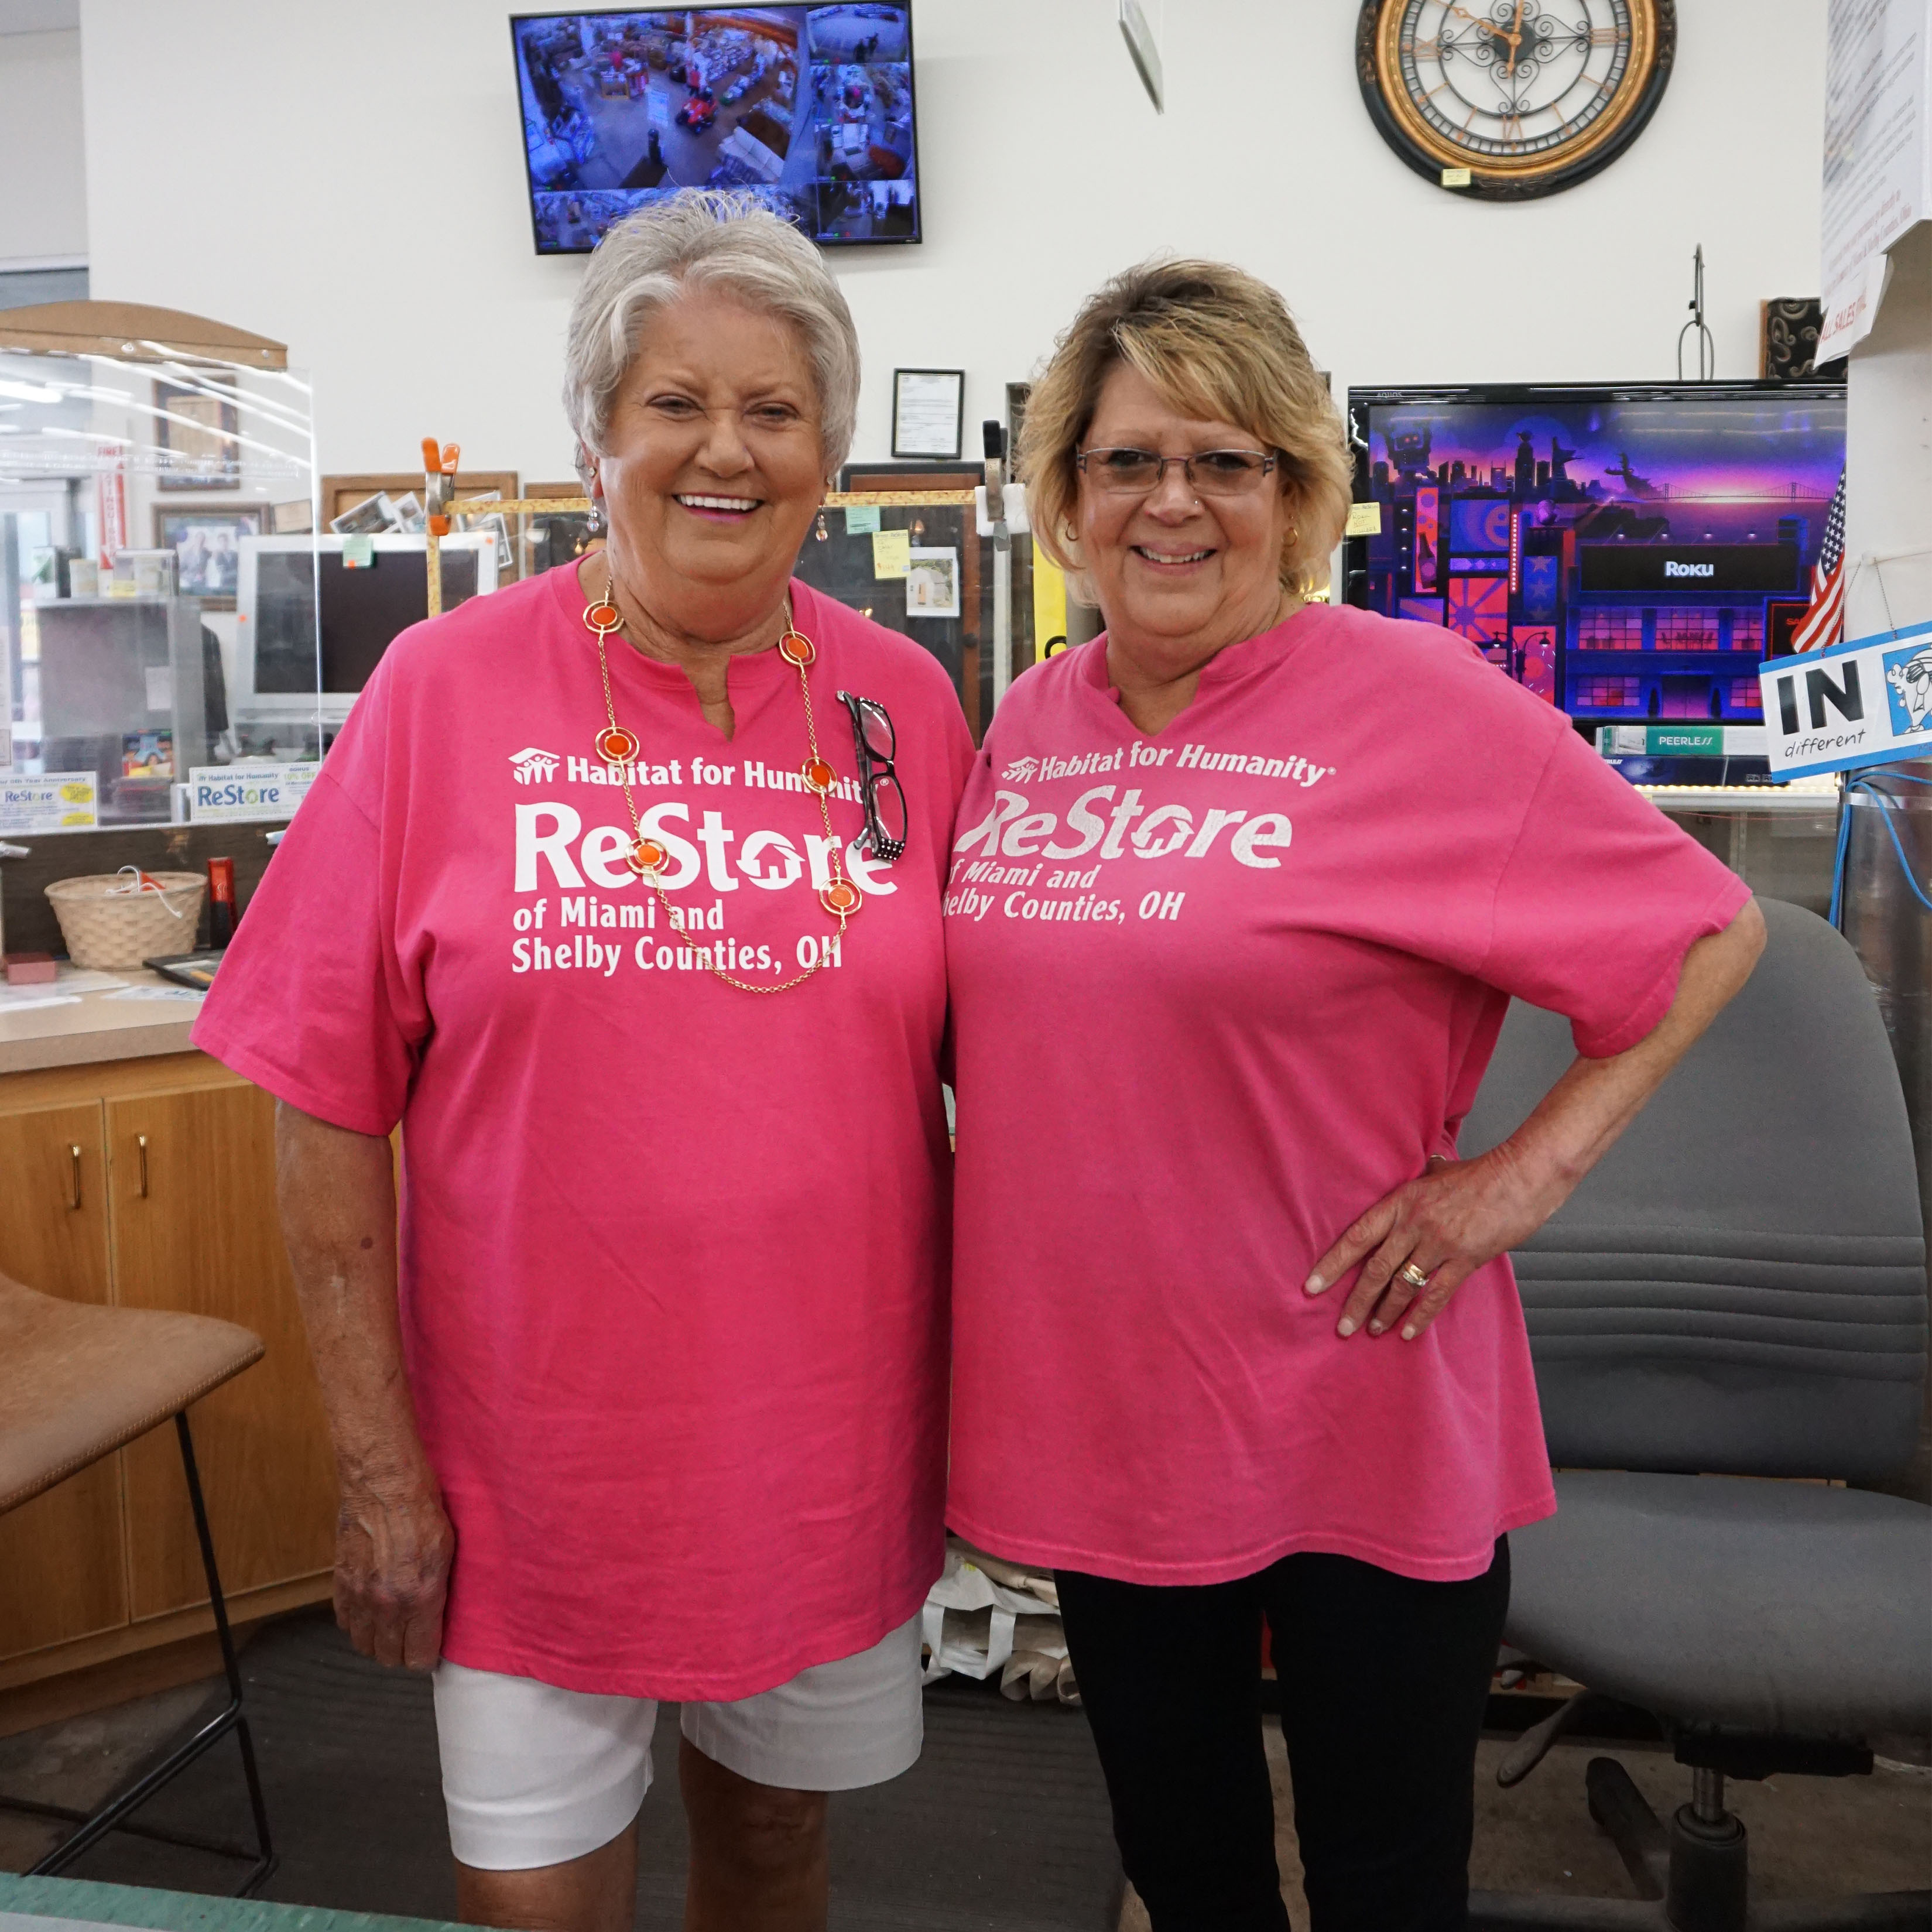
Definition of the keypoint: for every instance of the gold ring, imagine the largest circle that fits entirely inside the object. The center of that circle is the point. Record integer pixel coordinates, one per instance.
(1414, 1275)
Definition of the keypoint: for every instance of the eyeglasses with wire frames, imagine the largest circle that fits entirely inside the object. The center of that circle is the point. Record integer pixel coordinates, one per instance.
(884, 798)
(1210, 472)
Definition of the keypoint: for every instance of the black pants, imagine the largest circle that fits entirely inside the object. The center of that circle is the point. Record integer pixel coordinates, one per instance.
(1383, 1684)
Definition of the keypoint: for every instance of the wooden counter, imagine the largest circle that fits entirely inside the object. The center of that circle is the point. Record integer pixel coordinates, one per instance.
(139, 1172)
(97, 1026)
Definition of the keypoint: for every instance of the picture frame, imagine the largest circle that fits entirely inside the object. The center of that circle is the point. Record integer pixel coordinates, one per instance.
(206, 544)
(932, 581)
(197, 435)
(929, 412)
(341, 493)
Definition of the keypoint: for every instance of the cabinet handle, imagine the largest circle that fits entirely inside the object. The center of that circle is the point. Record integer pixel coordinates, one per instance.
(141, 1142)
(73, 1182)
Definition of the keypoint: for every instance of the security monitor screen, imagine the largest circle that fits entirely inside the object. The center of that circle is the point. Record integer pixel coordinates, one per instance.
(809, 109)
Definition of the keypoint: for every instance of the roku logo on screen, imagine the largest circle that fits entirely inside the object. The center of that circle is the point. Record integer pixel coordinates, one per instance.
(1672, 568)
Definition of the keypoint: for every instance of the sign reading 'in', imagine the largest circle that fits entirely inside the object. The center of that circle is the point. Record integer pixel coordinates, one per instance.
(1868, 702)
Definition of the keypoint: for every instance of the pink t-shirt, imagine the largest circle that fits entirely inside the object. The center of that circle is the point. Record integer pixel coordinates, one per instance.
(1215, 993)
(674, 1257)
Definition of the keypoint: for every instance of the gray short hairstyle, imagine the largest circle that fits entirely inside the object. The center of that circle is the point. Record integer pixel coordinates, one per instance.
(707, 237)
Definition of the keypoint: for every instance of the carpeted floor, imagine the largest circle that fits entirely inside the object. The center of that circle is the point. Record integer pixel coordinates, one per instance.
(1001, 1827)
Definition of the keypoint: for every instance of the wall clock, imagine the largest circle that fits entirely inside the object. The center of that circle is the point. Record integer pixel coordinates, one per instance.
(1529, 96)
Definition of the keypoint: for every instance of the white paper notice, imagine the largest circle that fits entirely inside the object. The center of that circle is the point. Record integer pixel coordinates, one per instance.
(25, 999)
(225, 793)
(160, 682)
(57, 801)
(1878, 154)
(925, 412)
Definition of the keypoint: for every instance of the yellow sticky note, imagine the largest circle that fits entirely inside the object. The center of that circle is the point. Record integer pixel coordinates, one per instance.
(892, 552)
(1049, 609)
(1365, 519)
(1455, 177)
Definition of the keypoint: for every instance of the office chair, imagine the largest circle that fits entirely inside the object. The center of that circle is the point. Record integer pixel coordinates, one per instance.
(1738, 1291)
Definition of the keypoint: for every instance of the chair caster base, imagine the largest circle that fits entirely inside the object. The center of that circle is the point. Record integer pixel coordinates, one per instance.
(1709, 1872)
(1693, 1875)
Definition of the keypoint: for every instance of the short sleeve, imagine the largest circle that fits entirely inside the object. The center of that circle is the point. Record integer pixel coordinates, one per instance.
(310, 1002)
(1598, 901)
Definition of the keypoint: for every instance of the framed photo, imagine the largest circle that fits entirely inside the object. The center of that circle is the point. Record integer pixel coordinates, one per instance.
(932, 582)
(928, 412)
(207, 546)
(374, 516)
(196, 435)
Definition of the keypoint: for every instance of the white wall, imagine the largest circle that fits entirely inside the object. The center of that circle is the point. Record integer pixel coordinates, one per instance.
(269, 164)
(1888, 442)
(43, 185)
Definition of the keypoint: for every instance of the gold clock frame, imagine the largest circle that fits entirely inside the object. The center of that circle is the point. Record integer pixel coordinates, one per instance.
(1377, 47)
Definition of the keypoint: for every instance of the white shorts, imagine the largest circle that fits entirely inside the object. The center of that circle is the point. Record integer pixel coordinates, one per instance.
(533, 1775)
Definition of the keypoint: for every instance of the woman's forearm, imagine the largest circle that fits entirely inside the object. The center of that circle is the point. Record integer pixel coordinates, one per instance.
(1576, 1122)
(1432, 1233)
(394, 1544)
(336, 1190)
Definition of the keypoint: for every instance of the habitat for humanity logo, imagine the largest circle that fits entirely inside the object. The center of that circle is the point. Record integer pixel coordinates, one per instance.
(534, 766)
(1908, 674)
(1020, 770)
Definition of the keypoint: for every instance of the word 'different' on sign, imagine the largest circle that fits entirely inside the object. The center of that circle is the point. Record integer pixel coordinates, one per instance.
(224, 793)
(1868, 702)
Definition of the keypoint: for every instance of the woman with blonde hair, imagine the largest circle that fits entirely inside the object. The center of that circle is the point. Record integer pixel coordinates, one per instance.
(1240, 891)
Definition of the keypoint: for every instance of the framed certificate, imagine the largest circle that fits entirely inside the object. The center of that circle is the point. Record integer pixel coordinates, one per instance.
(928, 412)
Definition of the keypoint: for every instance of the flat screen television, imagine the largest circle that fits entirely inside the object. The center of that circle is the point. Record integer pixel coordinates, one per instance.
(810, 109)
(285, 648)
(1631, 553)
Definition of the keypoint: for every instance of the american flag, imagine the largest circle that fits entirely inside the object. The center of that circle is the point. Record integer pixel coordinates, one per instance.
(1823, 622)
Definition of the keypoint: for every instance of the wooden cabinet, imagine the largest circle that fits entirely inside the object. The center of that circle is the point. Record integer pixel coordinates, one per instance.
(192, 1206)
(60, 1571)
(151, 1184)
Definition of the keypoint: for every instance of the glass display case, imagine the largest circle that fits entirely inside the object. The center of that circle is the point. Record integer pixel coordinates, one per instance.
(140, 485)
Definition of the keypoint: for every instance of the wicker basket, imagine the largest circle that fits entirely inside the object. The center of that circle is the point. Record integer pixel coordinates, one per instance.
(117, 929)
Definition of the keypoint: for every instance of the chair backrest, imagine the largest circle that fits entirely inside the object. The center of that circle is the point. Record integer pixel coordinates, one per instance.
(1739, 1286)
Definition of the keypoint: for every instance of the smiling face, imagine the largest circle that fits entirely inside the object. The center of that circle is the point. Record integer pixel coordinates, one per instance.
(1178, 574)
(712, 467)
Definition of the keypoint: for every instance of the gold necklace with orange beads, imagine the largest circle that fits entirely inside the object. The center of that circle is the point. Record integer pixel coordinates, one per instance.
(619, 747)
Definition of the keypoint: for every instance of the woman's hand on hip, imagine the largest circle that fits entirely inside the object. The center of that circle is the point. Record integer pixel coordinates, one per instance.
(1444, 1224)
(394, 1543)
(1463, 1213)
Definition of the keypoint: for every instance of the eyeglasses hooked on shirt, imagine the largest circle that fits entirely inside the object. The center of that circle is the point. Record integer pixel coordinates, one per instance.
(1210, 472)
(876, 741)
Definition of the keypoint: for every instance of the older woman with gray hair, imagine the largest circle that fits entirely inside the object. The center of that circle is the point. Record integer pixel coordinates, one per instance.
(620, 894)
